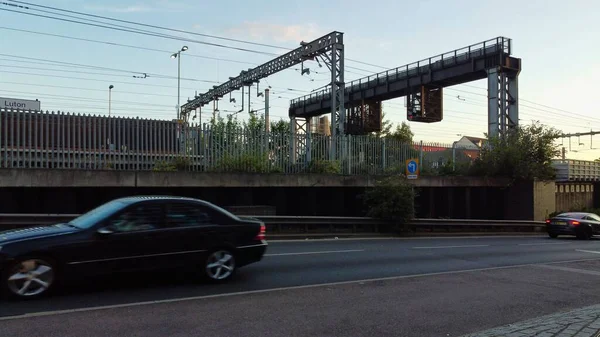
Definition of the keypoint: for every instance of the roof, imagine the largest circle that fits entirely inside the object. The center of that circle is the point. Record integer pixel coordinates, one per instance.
(475, 139)
(138, 198)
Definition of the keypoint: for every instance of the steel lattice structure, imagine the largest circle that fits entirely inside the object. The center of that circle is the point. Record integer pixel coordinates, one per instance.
(307, 51)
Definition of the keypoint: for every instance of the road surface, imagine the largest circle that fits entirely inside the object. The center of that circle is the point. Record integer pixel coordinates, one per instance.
(373, 287)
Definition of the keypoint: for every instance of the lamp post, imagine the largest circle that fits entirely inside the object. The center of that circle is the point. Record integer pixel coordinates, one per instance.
(177, 56)
(110, 87)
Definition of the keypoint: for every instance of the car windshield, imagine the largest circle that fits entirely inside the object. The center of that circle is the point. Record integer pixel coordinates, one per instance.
(99, 213)
(595, 217)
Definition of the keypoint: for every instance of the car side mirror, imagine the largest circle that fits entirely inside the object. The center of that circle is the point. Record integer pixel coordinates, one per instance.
(105, 230)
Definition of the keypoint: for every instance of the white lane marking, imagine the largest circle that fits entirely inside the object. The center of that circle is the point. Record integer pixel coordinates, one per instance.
(320, 252)
(413, 238)
(571, 270)
(251, 292)
(587, 251)
(441, 247)
(544, 244)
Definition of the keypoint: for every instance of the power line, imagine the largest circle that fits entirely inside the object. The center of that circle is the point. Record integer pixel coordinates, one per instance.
(149, 33)
(85, 89)
(79, 98)
(178, 30)
(125, 45)
(141, 32)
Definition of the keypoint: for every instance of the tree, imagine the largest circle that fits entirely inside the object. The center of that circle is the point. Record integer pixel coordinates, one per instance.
(386, 126)
(402, 133)
(525, 153)
(393, 199)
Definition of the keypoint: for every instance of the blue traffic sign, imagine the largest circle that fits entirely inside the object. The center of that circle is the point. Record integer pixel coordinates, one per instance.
(412, 167)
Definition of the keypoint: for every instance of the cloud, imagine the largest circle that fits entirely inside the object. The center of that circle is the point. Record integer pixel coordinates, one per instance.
(274, 32)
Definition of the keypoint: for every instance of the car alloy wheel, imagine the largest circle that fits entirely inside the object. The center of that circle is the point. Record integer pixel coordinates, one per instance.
(30, 278)
(220, 265)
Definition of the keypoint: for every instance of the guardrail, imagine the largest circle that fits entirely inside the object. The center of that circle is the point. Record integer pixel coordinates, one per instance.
(321, 224)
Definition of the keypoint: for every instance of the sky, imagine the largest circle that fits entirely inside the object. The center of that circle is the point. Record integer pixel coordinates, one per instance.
(556, 40)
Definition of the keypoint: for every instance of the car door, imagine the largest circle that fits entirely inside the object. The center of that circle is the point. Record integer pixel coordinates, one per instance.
(188, 233)
(127, 241)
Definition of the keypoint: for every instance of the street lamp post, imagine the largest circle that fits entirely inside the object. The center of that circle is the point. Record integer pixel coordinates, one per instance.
(110, 87)
(177, 55)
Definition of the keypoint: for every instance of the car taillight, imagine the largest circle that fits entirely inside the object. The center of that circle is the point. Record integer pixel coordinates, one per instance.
(548, 221)
(262, 233)
(575, 223)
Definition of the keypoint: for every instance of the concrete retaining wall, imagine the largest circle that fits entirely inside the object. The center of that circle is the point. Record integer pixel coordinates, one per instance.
(109, 178)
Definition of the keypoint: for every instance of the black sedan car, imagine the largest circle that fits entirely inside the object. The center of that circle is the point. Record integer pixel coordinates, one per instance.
(581, 224)
(130, 235)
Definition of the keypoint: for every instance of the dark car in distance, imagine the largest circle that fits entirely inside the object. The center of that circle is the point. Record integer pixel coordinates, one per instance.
(131, 234)
(581, 224)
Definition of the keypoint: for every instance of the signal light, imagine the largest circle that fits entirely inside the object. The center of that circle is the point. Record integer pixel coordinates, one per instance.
(575, 223)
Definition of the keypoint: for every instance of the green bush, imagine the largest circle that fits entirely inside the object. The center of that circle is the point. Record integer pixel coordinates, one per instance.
(181, 163)
(392, 198)
(164, 166)
(177, 164)
(244, 163)
(324, 166)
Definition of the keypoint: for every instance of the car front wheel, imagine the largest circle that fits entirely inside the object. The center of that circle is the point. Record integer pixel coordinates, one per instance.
(29, 278)
(220, 265)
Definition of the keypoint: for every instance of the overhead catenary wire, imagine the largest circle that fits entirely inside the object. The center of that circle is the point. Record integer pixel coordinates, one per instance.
(149, 33)
(178, 30)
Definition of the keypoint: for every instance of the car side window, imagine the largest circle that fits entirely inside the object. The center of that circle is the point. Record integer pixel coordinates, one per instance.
(138, 218)
(187, 215)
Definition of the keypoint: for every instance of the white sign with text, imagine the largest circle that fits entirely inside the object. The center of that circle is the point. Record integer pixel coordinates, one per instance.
(19, 104)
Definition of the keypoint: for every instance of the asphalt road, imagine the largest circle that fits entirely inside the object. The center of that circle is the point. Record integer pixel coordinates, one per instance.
(424, 287)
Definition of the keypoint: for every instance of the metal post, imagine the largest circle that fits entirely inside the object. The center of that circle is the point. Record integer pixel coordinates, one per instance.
(421, 156)
(267, 121)
(454, 156)
(110, 87)
(178, 83)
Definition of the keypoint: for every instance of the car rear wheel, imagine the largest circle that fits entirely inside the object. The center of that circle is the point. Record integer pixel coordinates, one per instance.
(29, 278)
(220, 265)
(553, 235)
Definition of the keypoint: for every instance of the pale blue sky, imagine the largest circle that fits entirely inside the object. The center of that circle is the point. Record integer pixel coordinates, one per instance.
(557, 42)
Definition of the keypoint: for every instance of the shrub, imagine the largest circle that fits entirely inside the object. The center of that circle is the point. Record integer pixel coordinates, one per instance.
(392, 198)
(164, 166)
(244, 163)
(324, 166)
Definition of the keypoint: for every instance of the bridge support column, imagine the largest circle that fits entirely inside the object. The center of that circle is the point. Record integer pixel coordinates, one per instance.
(300, 139)
(335, 63)
(503, 101)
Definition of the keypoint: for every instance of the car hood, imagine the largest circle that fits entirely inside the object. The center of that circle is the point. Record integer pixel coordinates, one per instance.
(36, 232)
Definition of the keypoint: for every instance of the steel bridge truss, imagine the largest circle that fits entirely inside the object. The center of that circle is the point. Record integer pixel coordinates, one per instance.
(307, 51)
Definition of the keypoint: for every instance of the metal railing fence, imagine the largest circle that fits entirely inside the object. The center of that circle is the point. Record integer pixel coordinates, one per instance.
(58, 140)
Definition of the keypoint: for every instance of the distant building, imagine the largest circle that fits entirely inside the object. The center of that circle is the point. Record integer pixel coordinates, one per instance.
(470, 146)
(320, 125)
(467, 142)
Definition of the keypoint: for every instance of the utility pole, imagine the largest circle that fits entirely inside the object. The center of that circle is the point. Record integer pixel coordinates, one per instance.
(177, 56)
(110, 87)
(267, 122)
